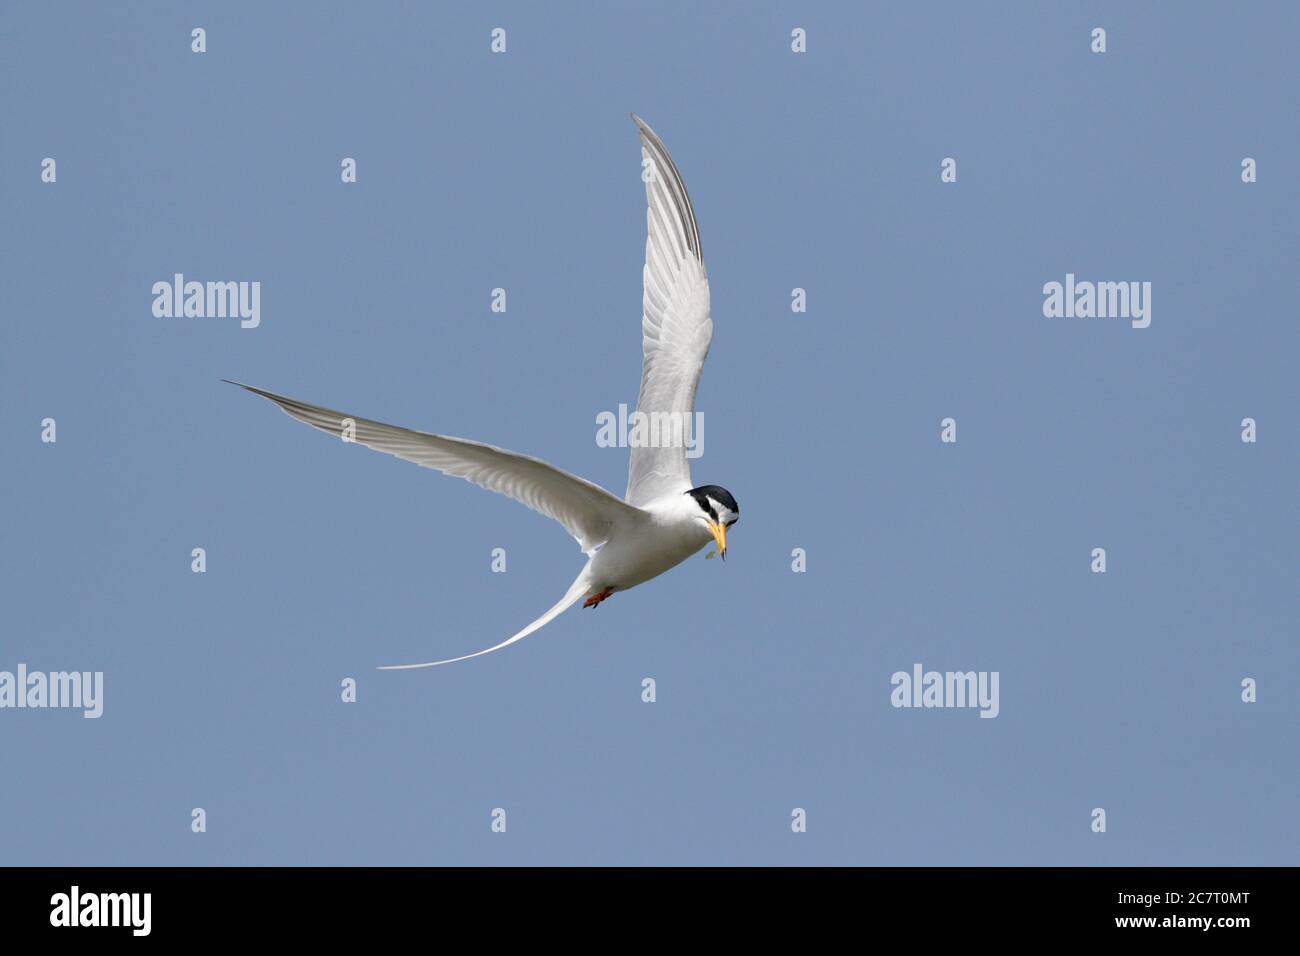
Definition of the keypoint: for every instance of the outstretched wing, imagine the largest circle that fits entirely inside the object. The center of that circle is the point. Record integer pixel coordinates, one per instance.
(675, 327)
(587, 511)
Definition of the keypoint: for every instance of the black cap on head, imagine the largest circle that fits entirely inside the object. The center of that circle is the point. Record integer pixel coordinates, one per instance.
(719, 494)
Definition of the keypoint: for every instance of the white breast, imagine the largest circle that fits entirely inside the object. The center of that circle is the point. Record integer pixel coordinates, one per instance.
(670, 533)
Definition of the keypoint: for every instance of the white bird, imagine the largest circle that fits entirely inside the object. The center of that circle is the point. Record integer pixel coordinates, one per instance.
(664, 519)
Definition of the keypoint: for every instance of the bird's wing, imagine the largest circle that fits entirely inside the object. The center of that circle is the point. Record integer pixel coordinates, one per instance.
(675, 327)
(576, 590)
(587, 511)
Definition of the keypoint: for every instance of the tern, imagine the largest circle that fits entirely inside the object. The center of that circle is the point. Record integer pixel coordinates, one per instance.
(663, 518)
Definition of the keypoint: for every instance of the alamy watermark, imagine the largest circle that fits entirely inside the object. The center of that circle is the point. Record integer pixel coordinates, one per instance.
(922, 688)
(208, 300)
(651, 430)
(75, 908)
(1098, 300)
(81, 690)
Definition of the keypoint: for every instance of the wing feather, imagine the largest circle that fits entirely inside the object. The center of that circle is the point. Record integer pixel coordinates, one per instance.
(587, 511)
(675, 326)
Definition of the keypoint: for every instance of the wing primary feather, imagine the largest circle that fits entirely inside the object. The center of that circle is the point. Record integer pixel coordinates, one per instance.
(675, 185)
(587, 511)
(675, 325)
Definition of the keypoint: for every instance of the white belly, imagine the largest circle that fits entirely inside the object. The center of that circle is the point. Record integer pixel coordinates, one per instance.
(645, 552)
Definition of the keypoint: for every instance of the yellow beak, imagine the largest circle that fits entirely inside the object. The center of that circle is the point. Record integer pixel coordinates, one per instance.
(720, 536)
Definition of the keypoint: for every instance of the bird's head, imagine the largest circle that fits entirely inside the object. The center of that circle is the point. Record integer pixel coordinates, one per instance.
(718, 511)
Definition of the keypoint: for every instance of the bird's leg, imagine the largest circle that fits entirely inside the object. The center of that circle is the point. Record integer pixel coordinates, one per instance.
(597, 598)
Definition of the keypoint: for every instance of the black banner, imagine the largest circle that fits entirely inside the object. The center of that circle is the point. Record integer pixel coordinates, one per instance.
(235, 904)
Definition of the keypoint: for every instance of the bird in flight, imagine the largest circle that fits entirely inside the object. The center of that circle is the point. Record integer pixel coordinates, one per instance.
(663, 519)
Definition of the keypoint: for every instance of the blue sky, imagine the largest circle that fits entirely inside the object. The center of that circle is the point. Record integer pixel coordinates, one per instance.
(819, 171)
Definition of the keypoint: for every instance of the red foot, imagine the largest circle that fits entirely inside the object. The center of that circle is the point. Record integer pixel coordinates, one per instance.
(597, 598)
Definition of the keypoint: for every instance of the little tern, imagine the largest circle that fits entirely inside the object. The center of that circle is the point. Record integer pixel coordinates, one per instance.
(663, 519)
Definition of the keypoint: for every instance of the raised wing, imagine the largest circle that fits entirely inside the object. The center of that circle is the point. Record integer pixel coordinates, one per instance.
(587, 511)
(675, 328)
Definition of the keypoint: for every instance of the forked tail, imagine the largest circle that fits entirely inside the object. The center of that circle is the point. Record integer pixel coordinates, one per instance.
(576, 590)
